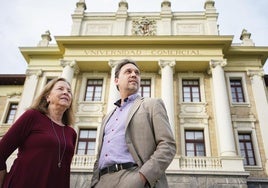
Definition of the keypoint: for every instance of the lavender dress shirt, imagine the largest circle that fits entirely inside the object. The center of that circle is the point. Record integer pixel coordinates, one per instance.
(114, 148)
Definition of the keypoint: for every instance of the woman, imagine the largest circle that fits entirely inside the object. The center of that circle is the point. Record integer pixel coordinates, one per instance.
(45, 141)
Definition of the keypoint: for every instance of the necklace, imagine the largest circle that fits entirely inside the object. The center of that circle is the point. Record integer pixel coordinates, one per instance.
(60, 156)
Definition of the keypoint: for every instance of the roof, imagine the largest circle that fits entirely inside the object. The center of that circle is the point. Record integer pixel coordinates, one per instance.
(12, 79)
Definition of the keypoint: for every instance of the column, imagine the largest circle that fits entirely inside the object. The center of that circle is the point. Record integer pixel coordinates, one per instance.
(167, 89)
(69, 68)
(259, 94)
(222, 109)
(113, 92)
(29, 90)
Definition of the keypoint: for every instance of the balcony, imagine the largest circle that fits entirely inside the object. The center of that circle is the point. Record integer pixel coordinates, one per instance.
(84, 163)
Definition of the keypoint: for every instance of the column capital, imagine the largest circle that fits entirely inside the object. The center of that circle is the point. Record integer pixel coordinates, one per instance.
(65, 63)
(164, 63)
(71, 63)
(36, 72)
(214, 63)
(112, 63)
(252, 73)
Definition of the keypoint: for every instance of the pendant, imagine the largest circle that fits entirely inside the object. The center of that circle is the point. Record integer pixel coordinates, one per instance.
(59, 164)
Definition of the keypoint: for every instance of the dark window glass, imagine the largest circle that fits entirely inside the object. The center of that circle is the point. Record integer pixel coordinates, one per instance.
(195, 144)
(145, 88)
(246, 149)
(191, 91)
(237, 90)
(11, 113)
(86, 142)
(94, 90)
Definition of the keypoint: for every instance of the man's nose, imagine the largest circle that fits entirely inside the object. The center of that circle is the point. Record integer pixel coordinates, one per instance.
(133, 73)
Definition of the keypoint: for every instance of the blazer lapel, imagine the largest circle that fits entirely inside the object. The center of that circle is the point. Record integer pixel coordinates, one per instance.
(133, 109)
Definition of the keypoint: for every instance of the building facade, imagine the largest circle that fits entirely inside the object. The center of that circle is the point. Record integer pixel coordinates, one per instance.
(214, 90)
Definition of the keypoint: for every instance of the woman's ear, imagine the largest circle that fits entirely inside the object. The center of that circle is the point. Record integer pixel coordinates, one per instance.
(47, 98)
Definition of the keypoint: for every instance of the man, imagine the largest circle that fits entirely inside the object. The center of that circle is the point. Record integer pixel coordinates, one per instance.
(136, 144)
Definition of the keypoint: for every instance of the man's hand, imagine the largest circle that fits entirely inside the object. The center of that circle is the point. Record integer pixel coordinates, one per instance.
(144, 180)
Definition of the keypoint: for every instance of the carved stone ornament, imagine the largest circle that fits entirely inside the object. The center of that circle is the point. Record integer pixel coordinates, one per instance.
(144, 27)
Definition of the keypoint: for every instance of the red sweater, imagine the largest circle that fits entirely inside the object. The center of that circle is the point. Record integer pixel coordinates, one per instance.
(38, 153)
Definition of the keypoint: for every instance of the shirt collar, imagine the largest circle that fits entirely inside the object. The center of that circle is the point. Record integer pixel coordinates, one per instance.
(128, 99)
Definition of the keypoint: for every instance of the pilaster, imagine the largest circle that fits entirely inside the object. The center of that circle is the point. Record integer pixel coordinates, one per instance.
(78, 17)
(211, 17)
(166, 16)
(121, 18)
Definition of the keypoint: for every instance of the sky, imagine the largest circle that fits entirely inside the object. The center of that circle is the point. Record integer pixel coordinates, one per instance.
(22, 22)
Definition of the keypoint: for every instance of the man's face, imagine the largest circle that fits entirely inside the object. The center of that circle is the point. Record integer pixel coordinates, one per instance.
(128, 80)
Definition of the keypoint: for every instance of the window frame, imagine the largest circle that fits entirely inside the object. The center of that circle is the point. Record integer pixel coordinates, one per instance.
(195, 142)
(85, 77)
(236, 87)
(93, 97)
(247, 125)
(192, 76)
(11, 109)
(87, 140)
(245, 143)
(6, 111)
(142, 86)
(242, 77)
(191, 92)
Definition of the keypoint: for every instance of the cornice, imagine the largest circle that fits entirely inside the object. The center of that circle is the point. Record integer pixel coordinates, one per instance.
(29, 52)
(260, 52)
(223, 42)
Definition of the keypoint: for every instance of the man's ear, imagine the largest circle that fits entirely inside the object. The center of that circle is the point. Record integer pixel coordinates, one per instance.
(116, 81)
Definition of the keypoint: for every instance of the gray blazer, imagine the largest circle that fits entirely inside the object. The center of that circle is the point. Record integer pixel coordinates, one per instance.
(149, 139)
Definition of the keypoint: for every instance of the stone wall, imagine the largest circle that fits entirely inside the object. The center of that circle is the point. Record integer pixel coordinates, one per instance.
(82, 180)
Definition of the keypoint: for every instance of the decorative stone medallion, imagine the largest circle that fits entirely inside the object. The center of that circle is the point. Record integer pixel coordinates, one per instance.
(144, 27)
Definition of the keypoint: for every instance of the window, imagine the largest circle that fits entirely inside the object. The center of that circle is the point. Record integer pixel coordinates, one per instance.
(145, 88)
(237, 90)
(191, 91)
(86, 142)
(194, 143)
(246, 149)
(94, 90)
(11, 113)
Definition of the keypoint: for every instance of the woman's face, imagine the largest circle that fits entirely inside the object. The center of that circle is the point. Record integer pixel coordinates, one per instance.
(60, 95)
